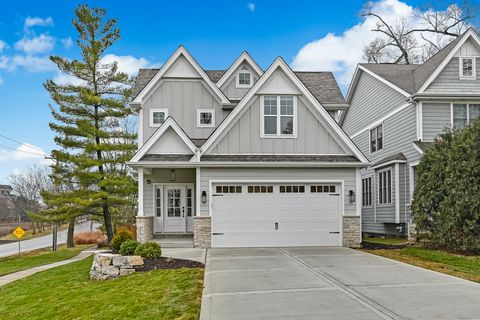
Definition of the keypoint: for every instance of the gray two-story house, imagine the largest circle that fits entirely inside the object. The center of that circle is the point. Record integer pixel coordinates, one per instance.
(395, 112)
(244, 157)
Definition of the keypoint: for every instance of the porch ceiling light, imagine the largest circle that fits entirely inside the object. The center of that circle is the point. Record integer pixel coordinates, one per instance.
(173, 175)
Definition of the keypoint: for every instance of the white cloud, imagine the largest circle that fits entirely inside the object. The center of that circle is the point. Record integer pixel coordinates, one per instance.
(63, 78)
(35, 44)
(127, 64)
(25, 151)
(1, 80)
(33, 63)
(37, 21)
(251, 6)
(67, 42)
(3, 45)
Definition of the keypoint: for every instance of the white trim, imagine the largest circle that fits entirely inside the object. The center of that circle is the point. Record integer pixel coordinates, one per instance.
(140, 212)
(381, 120)
(411, 182)
(353, 84)
(397, 193)
(474, 68)
(181, 51)
(237, 80)
(467, 103)
(243, 57)
(381, 165)
(420, 121)
(385, 204)
(211, 182)
(235, 164)
(376, 139)
(203, 125)
(417, 148)
(165, 116)
(434, 75)
(358, 194)
(278, 116)
(169, 123)
(198, 198)
(140, 128)
(280, 63)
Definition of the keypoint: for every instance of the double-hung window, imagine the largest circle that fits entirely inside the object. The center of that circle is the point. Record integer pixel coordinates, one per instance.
(367, 192)
(205, 118)
(157, 117)
(385, 187)
(279, 116)
(244, 79)
(467, 68)
(463, 113)
(376, 138)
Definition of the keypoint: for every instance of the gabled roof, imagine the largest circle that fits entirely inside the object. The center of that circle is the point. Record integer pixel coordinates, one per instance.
(279, 63)
(181, 51)
(169, 123)
(413, 78)
(243, 57)
(321, 84)
(278, 157)
(422, 145)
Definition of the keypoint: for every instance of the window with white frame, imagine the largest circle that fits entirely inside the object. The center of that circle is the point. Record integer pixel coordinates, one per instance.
(158, 117)
(367, 192)
(279, 116)
(385, 187)
(464, 113)
(376, 138)
(467, 68)
(205, 118)
(244, 79)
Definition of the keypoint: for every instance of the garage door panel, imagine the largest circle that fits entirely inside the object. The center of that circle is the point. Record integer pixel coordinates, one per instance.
(276, 219)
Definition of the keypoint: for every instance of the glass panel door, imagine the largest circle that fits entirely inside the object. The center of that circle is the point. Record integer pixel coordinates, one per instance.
(175, 209)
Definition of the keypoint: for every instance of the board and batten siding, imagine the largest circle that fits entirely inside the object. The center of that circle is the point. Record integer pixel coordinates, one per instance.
(448, 81)
(436, 117)
(244, 136)
(372, 100)
(182, 98)
(230, 89)
(162, 176)
(399, 132)
(277, 174)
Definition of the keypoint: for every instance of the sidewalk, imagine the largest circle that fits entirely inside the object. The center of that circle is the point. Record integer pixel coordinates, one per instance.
(28, 272)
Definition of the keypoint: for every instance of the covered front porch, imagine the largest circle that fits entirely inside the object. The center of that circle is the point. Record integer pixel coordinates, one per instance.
(167, 205)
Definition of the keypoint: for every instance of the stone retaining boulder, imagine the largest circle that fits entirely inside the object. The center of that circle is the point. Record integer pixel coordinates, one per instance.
(111, 266)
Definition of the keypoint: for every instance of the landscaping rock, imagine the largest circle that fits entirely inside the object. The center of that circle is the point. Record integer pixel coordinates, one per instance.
(111, 271)
(125, 272)
(110, 266)
(119, 261)
(135, 260)
(105, 259)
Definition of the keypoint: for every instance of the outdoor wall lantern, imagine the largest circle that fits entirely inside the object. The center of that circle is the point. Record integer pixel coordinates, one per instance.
(173, 175)
(148, 181)
(204, 197)
(351, 196)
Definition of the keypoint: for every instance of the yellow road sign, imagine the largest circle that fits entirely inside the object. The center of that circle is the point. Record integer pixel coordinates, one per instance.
(18, 232)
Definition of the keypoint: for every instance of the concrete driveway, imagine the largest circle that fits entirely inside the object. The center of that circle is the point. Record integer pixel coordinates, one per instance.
(329, 283)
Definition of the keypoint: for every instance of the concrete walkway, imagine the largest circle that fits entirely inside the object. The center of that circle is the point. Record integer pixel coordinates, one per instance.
(28, 272)
(329, 283)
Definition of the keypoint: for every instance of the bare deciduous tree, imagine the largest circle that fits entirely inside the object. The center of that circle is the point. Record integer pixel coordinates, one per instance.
(416, 38)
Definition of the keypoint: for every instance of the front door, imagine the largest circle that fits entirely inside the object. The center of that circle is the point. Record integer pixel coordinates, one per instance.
(175, 209)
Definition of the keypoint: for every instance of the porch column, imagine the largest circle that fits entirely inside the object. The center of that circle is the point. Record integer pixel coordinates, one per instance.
(140, 193)
(198, 197)
(144, 224)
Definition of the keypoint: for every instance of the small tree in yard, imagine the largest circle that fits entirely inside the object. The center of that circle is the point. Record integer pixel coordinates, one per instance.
(88, 123)
(446, 203)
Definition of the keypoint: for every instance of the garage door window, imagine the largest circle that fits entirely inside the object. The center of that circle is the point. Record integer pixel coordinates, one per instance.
(323, 189)
(228, 189)
(292, 189)
(260, 189)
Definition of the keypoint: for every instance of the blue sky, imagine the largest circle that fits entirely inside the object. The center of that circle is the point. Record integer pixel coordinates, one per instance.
(315, 35)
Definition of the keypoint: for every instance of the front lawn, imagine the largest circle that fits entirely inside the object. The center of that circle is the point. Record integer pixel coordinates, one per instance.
(37, 258)
(67, 293)
(466, 267)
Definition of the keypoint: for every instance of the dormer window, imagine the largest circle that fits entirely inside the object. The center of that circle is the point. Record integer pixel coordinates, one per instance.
(244, 79)
(205, 118)
(158, 117)
(467, 68)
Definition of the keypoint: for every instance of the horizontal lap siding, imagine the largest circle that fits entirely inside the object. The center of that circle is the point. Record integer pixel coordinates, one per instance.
(448, 81)
(372, 100)
(435, 117)
(347, 174)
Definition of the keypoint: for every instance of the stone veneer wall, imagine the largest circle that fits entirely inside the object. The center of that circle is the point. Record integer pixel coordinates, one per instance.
(352, 236)
(202, 232)
(144, 229)
(412, 231)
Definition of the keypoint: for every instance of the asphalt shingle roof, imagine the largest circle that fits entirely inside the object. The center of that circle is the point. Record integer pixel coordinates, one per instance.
(423, 145)
(166, 157)
(394, 157)
(279, 158)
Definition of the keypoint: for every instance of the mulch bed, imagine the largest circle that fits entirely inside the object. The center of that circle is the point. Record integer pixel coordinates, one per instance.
(380, 246)
(168, 263)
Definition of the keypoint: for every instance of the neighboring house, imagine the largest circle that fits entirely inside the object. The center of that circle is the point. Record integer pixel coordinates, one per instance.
(244, 157)
(8, 212)
(396, 111)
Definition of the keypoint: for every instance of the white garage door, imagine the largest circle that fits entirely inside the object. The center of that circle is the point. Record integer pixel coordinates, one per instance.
(275, 215)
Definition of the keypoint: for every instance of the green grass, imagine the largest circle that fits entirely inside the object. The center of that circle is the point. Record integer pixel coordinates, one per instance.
(466, 267)
(386, 241)
(37, 258)
(67, 293)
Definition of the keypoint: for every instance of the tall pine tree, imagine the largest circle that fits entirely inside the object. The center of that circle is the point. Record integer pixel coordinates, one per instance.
(93, 145)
